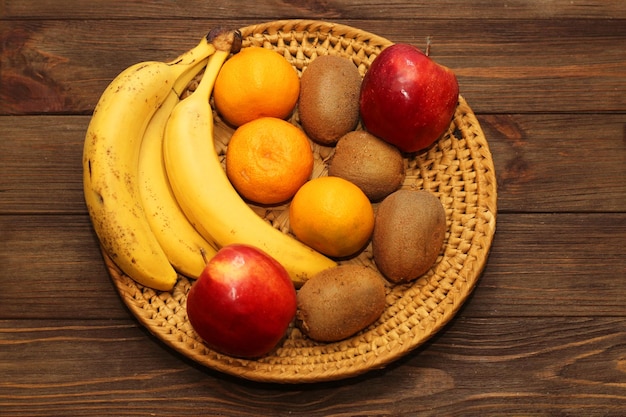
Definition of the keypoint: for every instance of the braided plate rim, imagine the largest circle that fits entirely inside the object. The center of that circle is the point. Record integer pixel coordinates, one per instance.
(458, 169)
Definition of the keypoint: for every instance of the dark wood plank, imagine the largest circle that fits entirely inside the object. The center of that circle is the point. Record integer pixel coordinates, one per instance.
(503, 366)
(503, 66)
(548, 163)
(554, 264)
(557, 162)
(546, 265)
(272, 10)
(41, 164)
(51, 267)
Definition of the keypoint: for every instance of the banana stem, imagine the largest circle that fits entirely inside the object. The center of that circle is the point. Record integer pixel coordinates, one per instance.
(223, 41)
(218, 39)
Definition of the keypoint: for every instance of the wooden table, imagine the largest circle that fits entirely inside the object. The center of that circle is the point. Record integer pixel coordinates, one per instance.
(545, 330)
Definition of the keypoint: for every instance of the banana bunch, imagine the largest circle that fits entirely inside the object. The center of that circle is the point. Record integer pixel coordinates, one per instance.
(157, 195)
(206, 195)
(134, 214)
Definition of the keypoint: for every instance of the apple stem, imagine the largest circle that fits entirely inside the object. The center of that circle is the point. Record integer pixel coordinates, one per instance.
(203, 253)
(427, 45)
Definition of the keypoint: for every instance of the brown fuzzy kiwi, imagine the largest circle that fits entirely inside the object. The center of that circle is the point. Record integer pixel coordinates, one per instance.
(328, 105)
(409, 231)
(374, 165)
(339, 302)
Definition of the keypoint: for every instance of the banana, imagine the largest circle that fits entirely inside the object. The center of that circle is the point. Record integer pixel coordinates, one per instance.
(206, 195)
(180, 241)
(110, 157)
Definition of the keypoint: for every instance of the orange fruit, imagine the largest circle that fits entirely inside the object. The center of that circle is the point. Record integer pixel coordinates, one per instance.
(253, 83)
(268, 160)
(332, 215)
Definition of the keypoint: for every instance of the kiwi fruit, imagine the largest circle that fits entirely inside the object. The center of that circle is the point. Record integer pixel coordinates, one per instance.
(375, 166)
(409, 232)
(339, 302)
(328, 105)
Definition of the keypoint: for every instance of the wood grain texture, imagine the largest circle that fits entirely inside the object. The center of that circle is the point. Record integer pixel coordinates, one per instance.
(558, 162)
(549, 264)
(41, 166)
(544, 332)
(537, 168)
(52, 264)
(503, 66)
(280, 9)
(562, 366)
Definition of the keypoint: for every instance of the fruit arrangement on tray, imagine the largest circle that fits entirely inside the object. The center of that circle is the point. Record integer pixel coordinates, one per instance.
(295, 201)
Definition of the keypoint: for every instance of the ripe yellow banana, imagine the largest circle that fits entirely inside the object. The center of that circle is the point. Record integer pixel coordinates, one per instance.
(110, 157)
(206, 195)
(180, 241)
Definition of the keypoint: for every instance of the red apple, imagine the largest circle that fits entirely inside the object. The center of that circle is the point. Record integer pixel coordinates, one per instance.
(407, 99)
(242, 303)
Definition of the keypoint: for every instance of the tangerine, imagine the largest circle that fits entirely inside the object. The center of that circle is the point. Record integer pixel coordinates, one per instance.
(268, 160)
(332, 215)
(253, 83)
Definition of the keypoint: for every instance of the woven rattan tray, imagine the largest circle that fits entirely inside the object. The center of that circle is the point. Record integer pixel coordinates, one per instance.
(458, 169)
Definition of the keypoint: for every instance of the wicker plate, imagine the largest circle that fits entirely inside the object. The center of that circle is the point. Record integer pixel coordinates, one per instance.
(458, 169)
